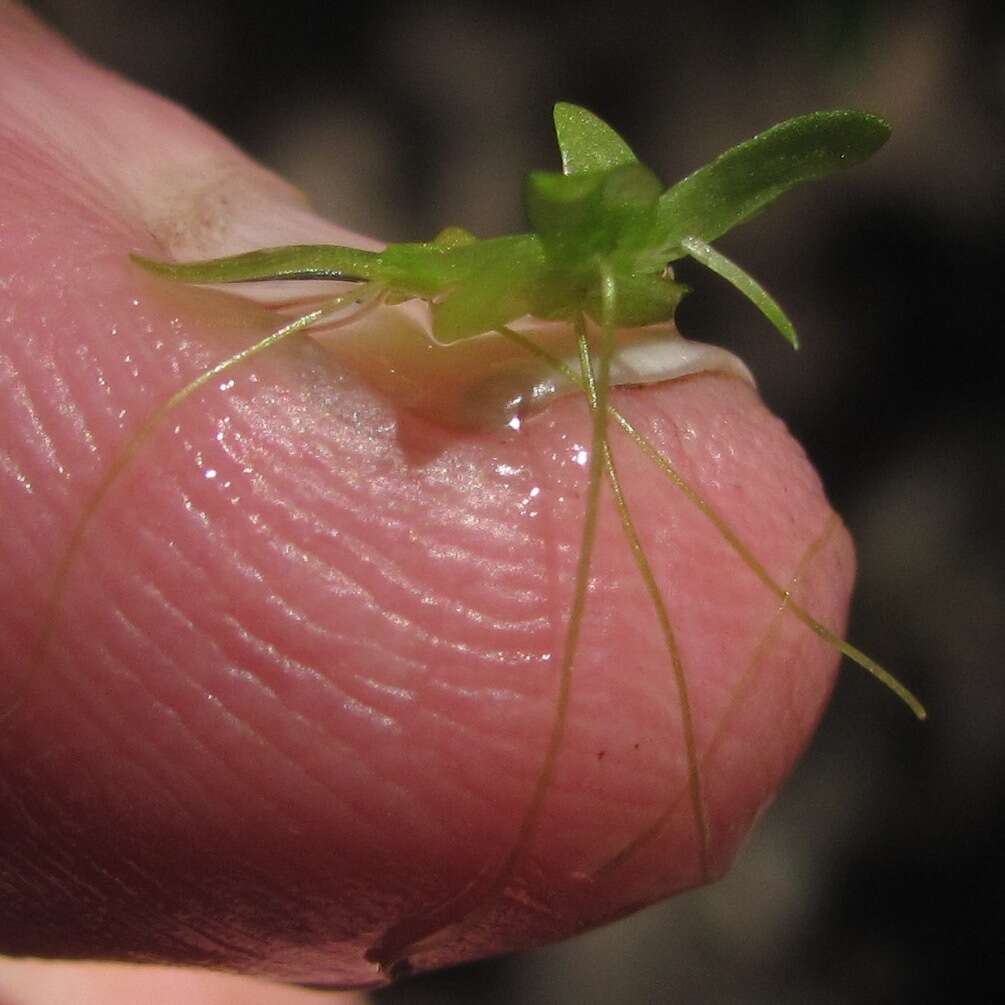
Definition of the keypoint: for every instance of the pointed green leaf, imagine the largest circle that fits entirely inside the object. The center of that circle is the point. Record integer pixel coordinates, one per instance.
(745, 283)
(587, 142)
(298, 261)
(717, 197)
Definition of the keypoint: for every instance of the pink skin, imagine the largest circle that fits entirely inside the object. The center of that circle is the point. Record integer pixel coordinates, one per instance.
(303, 675)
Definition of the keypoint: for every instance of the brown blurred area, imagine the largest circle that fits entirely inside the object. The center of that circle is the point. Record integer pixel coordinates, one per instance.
(877, 876)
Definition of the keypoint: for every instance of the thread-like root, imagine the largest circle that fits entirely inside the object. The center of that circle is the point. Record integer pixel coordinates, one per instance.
(695, 784)
(757, 568)
(431, 930)
(732, 538)
(740, 693)
(368, 295)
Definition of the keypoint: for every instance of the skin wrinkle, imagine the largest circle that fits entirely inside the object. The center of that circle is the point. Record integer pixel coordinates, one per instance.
(73, 874)
(53, 869)
(71, 865)
(18, 399)
(213, 940)
(414, 592)
(392, 572)
(217, 940)
(387, 570)
(250, 783)
(356, 699)
(28, 169)
(257, 574)
(178, 928)
(160, 779)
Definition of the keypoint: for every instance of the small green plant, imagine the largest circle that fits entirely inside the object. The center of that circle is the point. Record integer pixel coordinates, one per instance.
(599, 256)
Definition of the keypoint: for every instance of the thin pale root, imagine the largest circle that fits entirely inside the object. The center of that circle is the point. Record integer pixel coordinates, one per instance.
(432, 930)
(368, 295)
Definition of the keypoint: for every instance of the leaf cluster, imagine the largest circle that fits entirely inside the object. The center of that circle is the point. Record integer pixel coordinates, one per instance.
(604, 232)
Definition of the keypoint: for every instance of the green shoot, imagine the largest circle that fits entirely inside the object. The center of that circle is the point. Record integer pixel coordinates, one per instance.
(747, 285)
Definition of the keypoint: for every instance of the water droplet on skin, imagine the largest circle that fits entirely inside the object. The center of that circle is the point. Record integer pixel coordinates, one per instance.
(484, 383)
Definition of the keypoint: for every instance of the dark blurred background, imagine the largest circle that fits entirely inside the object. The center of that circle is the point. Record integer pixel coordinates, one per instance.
(877, 876)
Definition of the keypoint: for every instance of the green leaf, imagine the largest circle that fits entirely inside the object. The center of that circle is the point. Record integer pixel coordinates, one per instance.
(299, 261)
(590, 214)
(731, 189)
(745, 283)
(587, 142)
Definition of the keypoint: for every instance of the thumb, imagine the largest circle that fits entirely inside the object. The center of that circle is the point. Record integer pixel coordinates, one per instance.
(300, 683)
